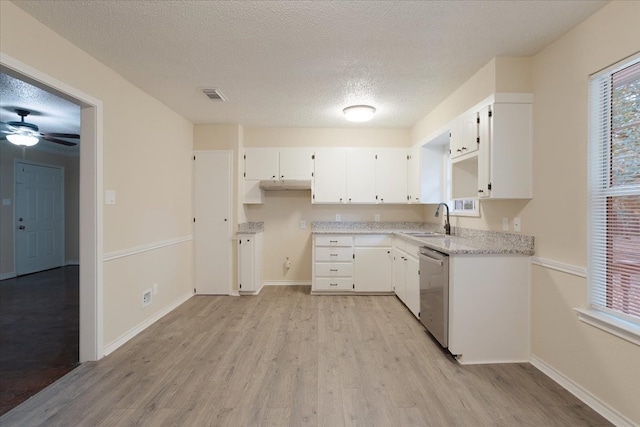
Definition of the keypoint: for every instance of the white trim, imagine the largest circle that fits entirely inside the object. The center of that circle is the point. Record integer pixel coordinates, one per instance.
(287, 283)
(234, 293)
(583, 394)
(5, 276)
(560, 266)
(144, 325)
(72, 262)
(612, 324)
(252, 292)
(145, 248)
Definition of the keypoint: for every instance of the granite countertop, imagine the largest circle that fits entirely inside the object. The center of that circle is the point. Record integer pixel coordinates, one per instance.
(250, 228)
(462, 240)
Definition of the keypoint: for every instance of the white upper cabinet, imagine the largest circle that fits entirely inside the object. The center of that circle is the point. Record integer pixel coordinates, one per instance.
(278, 163)
(391, 175)
(413, 175)
(361, 175)
(464, 135)
(330, 175)
(296, 163)
(261, 163)
(504, 161)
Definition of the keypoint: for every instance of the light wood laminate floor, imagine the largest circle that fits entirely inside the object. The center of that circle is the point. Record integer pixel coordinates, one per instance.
(288, 358)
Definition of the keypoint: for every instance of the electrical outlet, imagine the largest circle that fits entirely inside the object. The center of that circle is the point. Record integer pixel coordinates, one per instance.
(146, 298)
(155, 289)
(516, 224)
(338, 218)
(303, 224)
(505, 224)
(110, 197)
(376, 217)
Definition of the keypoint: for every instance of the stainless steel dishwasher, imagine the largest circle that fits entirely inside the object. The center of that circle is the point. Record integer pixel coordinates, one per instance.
(434, 293)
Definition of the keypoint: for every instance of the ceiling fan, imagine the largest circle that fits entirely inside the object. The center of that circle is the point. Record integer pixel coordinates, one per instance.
(28, 134)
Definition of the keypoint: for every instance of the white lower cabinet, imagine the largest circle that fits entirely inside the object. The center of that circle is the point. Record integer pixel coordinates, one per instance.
(332, 263)
(406, 277)
(489, 308)
(373, 263)
(250, 263)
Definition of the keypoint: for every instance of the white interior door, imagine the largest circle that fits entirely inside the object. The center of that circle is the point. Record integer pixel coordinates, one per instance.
(39, 217)
(212, 234)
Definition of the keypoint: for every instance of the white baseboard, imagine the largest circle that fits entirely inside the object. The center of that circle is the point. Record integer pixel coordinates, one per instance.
(287, 283)
(583, 394)
(4, 276)
(73, 262)
(144, 325)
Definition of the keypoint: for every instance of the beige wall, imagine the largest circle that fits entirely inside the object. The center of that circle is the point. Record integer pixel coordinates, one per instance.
(319, 137)
(605, 365)
(147, 161)
(8, 154)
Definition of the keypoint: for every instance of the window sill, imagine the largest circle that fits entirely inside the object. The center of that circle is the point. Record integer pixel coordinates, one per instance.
(618, 327)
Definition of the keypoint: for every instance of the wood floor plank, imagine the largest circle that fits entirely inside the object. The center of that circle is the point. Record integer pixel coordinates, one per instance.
(285, 357)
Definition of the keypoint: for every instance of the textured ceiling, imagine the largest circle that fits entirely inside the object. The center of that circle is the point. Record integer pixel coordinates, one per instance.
(298, 63)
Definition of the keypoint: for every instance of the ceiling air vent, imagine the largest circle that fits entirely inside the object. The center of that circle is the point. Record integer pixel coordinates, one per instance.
(214, 94)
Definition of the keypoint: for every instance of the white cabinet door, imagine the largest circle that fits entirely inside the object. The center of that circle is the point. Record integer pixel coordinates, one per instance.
(373, 269)
(413, 175)
(504, 164)
(464, 135)
(212, 229)
(246, 265)
(412, 285)
(296, 163)
(261, 163)
(398, 274)
(330, 175)
(361, 175)
(391, 175)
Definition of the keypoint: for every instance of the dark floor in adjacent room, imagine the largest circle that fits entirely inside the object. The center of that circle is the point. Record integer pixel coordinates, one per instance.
(39, 332)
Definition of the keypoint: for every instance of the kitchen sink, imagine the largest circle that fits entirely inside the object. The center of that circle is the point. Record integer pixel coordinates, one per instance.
(423, 234)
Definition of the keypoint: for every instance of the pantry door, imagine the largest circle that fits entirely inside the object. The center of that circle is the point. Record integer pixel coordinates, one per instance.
(212, 226)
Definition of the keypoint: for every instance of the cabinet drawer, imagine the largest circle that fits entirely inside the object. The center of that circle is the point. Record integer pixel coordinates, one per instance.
(344, 269)
(374, 240)
(334, 254)
(334, 241)
(328, 284)
(412, 249)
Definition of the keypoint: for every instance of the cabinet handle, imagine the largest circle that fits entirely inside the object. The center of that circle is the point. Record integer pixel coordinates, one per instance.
(340, 198)
(464, 148)
(335, 241)
(333, 269)
(333, 254)
(480, 191)
(333, 284)
(459, 150)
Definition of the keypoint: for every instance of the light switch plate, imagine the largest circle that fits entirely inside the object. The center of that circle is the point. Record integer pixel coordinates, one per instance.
(6, 202)
(110, 197)
(516, 224)
(505, 224)
(376, 217)
(303, 224)
(338, 218)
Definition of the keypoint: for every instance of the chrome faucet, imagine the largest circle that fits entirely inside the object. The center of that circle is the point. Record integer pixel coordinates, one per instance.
(447, 224)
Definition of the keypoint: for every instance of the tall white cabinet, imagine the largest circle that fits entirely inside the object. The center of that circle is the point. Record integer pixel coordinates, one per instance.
(212, 222)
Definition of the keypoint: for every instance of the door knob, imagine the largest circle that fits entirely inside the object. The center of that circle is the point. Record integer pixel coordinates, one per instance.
(20, 219)
(22, 227)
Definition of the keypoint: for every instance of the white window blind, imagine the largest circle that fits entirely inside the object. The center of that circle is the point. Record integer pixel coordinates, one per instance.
(614, 191)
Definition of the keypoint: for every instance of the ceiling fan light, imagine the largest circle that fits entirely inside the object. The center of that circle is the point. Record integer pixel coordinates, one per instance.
(19, 139)
(359, 113)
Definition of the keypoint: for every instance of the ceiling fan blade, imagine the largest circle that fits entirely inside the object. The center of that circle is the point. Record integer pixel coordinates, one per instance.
(7, 128)
(59, 141)
(60, 135)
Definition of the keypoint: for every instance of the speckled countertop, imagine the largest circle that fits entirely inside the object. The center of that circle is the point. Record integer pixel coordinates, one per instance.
(250, 227)
(462, 240)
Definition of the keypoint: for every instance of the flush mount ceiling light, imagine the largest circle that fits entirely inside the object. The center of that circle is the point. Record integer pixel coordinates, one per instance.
(359, 113)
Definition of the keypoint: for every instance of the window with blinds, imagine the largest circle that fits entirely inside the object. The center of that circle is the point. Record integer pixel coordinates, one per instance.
(614, 191)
